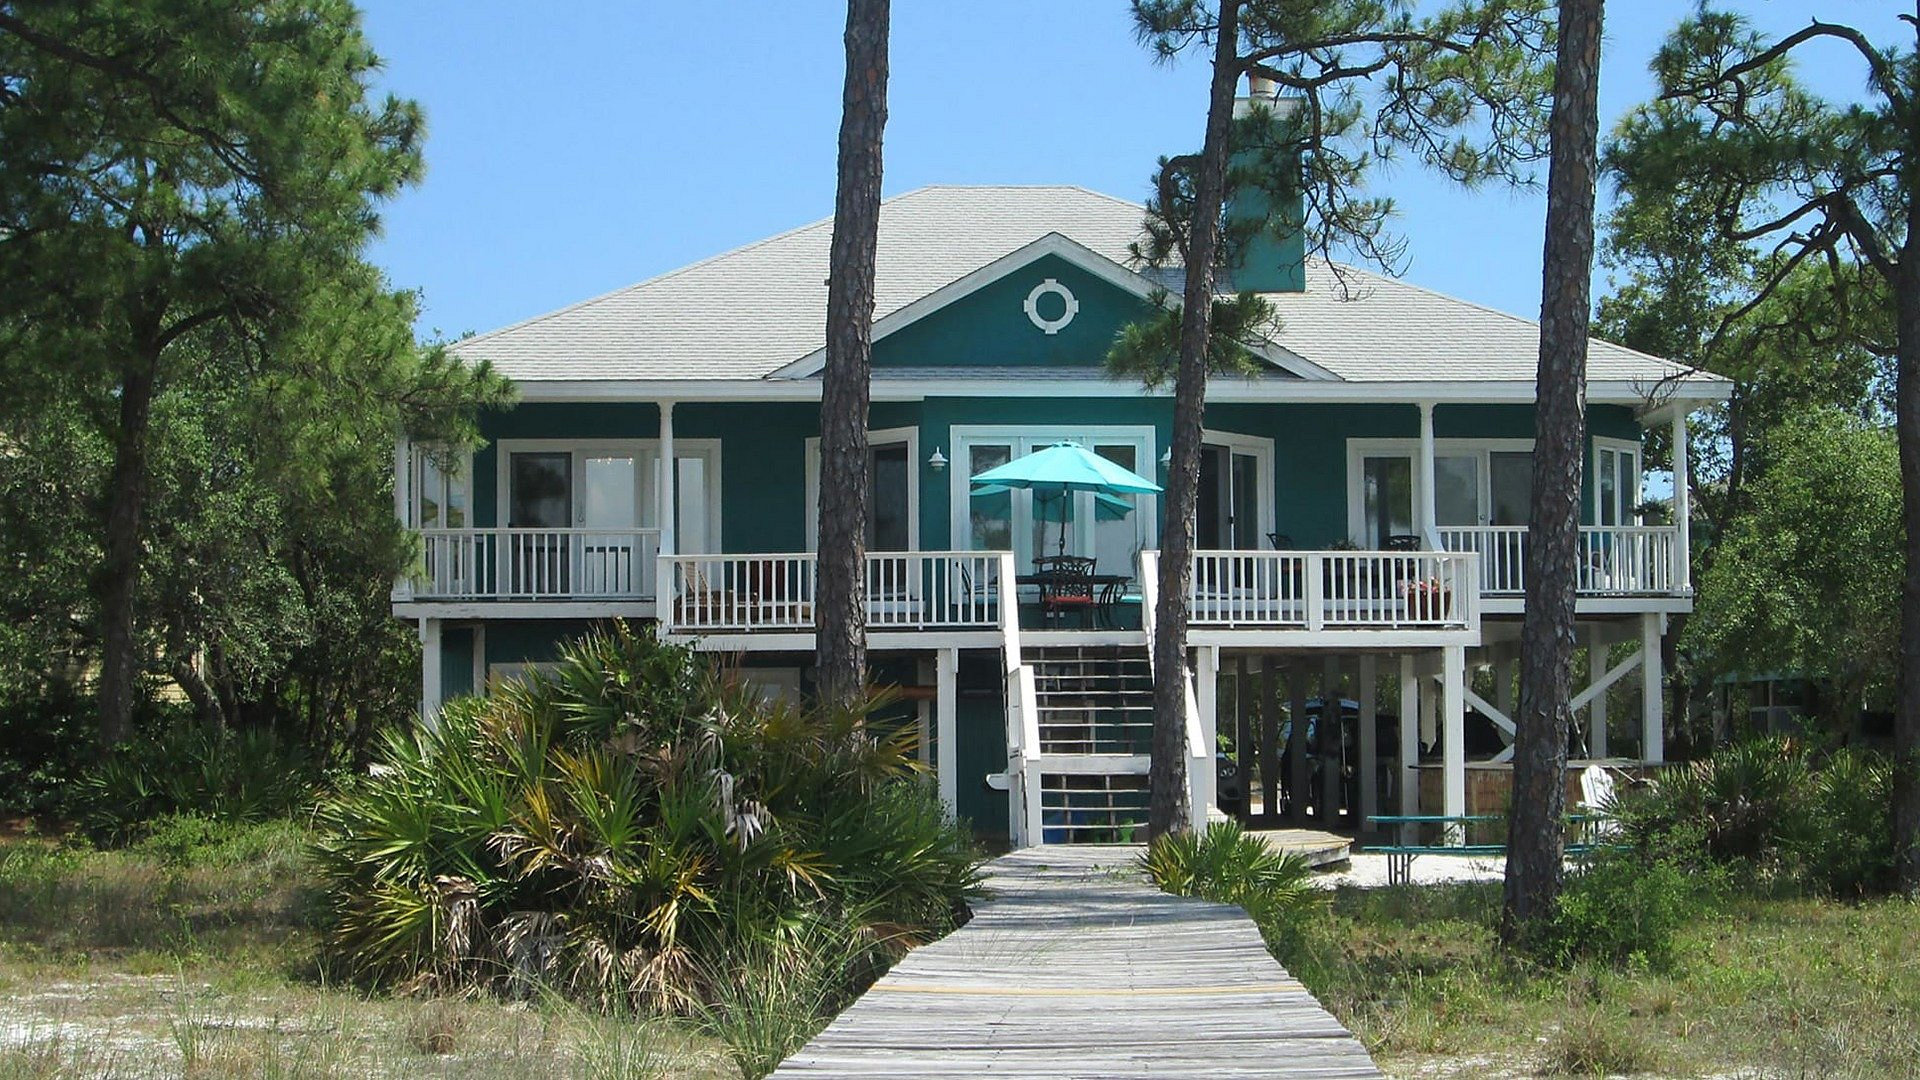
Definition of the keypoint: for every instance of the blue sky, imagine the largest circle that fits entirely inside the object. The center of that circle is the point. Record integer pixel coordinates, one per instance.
(576, 147)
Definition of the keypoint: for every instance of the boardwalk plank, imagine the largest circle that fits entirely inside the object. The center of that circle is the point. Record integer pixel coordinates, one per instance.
(1076, 969)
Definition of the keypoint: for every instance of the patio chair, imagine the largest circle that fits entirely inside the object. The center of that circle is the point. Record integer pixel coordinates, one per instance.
(1066, 584)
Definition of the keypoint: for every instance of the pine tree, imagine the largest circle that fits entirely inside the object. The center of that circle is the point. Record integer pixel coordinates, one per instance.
(1545, 720)
(1807, 181)
(840, 615)
(169, 172)
(1461, 89)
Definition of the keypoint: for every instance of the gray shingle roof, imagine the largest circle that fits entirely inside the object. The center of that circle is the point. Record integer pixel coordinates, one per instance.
(745, 314)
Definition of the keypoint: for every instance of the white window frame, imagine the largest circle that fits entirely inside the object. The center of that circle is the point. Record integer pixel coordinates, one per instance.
(417, 485)
(1358, 450)
(646, 455)
(1262, 451)
(1630, 448)
(963, 436)
(908, 435)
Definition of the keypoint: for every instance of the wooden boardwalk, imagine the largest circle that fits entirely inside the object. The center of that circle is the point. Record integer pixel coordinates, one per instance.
(1075, 969)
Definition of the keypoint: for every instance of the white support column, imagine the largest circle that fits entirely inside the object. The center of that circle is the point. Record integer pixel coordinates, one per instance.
(946, 721)
(669, 482)
(1206, 695)
(1653, 718)
(1682, 501)
(430, 690)
(1453, 741)
(1597, 665)
(1369, 740)
(1426, 513)
(1410, 698)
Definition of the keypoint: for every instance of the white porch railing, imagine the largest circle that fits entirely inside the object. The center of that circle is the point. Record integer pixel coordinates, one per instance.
(536, 564)
(1341, 589)
(905, 590)
(1615, 560)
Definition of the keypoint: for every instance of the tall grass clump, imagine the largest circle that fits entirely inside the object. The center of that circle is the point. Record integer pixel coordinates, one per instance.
(1772, 810)
(636, 830)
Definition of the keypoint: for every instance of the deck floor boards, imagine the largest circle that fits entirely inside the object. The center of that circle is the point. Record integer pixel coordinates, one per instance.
(1074, 968)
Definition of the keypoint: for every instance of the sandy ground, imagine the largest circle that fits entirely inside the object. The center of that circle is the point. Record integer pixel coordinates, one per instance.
(1369, 871)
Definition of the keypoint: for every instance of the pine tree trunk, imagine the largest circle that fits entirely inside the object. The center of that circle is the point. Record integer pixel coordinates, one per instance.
(119, 578)
(840, 617)
(1170, 807)
(1906, 722)
(1545, 720)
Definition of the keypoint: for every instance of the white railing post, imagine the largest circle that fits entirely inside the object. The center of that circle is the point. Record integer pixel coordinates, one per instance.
(1315, 574)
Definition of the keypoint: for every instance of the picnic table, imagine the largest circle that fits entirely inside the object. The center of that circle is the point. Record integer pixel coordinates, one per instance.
(1400, 856)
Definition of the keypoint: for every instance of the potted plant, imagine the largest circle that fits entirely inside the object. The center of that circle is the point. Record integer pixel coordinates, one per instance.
(1427, 600)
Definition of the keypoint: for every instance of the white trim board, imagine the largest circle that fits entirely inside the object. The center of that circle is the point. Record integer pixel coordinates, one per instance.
(1646, 398)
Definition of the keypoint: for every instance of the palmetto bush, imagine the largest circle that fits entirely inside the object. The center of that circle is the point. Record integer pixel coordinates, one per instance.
(618, 827)
(1774, 807)
(1225, 864)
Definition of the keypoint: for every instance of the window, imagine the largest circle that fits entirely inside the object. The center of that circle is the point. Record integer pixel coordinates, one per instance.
(1616, 483)
(990, 516)
(1476, 483)
(1510, 484)
(889, 498)
(1387, 483)
(440, 490)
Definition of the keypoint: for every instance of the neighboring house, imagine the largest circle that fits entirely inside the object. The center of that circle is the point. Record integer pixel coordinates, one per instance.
(1388, 417)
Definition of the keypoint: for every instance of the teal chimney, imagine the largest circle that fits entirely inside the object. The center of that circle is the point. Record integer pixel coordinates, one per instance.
(1266, 249)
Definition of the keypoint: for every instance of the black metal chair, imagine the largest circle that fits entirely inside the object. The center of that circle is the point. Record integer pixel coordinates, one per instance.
(1066, 585)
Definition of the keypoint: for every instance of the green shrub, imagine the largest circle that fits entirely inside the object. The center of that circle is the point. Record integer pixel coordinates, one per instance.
(1620, 909)
(46, 741)
(618, 827)
(1224, 864)
(1772, 809)
(249, 775)
(1847, 850)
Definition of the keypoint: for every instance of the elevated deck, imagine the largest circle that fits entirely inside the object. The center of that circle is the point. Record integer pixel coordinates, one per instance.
(1075, 968)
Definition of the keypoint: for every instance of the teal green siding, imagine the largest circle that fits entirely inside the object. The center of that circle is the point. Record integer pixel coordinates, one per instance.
(456, 661)
(530, 641)
(763, 449)
(990, 327)
(981, 745)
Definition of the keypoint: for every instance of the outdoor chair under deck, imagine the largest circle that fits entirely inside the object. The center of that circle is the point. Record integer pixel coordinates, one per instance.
(1066, 584)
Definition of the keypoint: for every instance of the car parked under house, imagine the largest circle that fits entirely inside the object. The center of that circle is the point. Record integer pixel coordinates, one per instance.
(1362, 512)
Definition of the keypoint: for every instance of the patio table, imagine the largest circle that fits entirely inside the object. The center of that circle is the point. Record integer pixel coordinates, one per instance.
(1109, 589)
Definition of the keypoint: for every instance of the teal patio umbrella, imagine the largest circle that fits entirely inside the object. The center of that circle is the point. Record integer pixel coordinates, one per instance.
(1062, 468)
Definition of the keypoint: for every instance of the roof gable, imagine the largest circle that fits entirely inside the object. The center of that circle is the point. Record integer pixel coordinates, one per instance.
(1051, 305)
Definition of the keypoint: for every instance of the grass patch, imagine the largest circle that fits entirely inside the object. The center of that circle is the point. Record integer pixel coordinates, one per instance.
(192, 954)
(1759, 984)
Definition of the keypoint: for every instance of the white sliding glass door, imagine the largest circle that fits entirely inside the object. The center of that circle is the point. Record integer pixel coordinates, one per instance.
(1111, 529)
